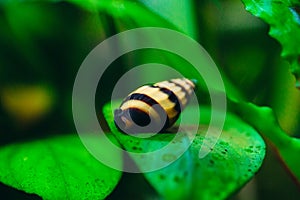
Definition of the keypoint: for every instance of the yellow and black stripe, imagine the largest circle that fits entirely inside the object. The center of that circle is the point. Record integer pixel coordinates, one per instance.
(162, 102)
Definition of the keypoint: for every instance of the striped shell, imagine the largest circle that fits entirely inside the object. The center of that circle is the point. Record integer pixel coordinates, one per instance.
(153, 108)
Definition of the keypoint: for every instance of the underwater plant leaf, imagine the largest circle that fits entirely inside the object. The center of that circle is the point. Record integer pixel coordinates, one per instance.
(232, 162)
(283, 16)
(57, 168)
(180, 13)
(264, 121)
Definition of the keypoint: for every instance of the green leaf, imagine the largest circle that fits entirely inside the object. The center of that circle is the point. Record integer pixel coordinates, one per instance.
(57, 168)
(179, 13)
(284, 20)
(264, 121)
(232, 162)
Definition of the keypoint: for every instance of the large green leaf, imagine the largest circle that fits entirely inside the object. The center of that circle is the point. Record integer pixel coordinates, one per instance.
(57, 168)
(232, 162)
(263, 119)
(283, 18)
